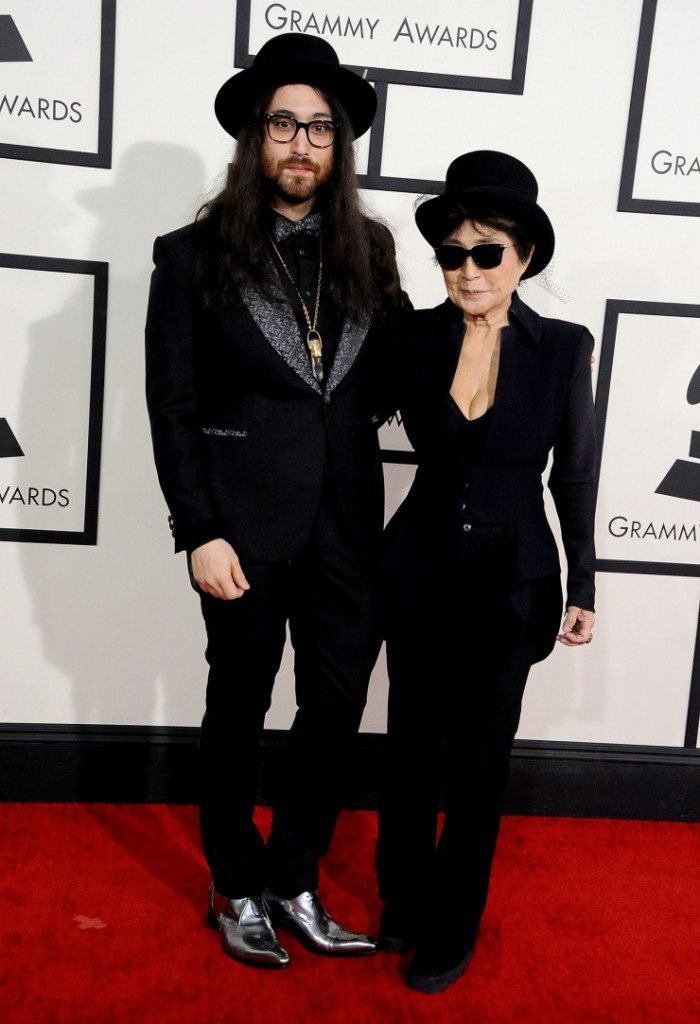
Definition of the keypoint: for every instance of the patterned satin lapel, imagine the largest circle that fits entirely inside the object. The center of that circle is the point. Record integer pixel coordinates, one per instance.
(349, 345)
(278, 324)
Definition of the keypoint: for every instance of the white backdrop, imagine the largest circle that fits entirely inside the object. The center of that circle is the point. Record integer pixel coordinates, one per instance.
(110, 633)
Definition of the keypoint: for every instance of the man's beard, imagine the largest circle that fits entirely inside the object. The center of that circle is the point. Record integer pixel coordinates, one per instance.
(291, 187)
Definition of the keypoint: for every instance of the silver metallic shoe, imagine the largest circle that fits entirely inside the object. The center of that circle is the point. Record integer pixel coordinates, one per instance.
(246, 930)
(305, 915)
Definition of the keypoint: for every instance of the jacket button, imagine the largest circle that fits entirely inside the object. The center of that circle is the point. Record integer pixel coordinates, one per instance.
(466, 527)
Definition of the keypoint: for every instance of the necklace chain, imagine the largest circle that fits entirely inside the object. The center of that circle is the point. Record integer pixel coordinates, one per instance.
(314, 342)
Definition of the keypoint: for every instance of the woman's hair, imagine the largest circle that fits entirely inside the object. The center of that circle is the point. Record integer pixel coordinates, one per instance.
(487, 218)
(359, 259)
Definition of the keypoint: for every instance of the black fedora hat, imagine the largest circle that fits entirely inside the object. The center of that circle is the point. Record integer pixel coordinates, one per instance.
(488, 181)
(288, 59)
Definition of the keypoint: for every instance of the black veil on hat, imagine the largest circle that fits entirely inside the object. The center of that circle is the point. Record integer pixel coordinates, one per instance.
(499, 183)
(295, 58)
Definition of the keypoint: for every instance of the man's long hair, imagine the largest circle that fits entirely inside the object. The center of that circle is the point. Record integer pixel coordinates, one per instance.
(359, 258)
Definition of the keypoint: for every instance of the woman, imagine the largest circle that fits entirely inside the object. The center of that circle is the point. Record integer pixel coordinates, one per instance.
(472, 573)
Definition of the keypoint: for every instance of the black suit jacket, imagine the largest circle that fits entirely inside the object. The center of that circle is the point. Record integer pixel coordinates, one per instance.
(543, 403)
(242, 433)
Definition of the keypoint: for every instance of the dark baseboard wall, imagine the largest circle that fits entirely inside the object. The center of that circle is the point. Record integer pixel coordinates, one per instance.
(119, 764)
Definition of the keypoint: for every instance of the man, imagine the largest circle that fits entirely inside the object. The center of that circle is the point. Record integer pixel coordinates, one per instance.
(268, 337)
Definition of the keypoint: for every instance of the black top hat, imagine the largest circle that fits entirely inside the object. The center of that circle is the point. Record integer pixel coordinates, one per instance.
(487, 181)
(288, 59)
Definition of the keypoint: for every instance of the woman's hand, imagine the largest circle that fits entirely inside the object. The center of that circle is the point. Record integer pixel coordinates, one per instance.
(217, 571)
(577, 627)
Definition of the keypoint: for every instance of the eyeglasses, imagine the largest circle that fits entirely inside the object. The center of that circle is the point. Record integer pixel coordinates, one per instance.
(487, 255)
(284, 128)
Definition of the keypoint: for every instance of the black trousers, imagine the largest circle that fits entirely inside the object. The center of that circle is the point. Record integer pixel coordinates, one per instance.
(327, 597)
(458, 662)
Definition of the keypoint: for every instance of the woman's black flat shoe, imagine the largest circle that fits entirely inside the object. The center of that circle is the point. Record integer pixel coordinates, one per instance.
(431, 973)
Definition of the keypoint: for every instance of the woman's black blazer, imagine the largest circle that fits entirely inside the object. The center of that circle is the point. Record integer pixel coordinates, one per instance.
(543, 405)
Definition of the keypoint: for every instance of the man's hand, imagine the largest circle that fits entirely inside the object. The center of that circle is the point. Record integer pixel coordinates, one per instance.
(217, 571)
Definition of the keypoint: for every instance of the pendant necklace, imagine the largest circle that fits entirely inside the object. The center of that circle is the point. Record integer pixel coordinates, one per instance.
(314, 343)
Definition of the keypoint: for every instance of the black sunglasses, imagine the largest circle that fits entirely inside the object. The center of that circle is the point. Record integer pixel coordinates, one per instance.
(487, 255)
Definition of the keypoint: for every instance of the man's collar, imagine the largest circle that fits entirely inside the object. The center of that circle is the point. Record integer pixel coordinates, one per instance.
(284, 228)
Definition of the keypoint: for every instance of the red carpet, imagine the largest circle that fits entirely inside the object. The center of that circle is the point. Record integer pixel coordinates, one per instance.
(102, 920)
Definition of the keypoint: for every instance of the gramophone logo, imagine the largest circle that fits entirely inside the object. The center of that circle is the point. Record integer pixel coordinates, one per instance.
(647, 397)
(55, 108)
(9, 445)
(51, 390)
(395, 446)
(12, 46)
(683, 478)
